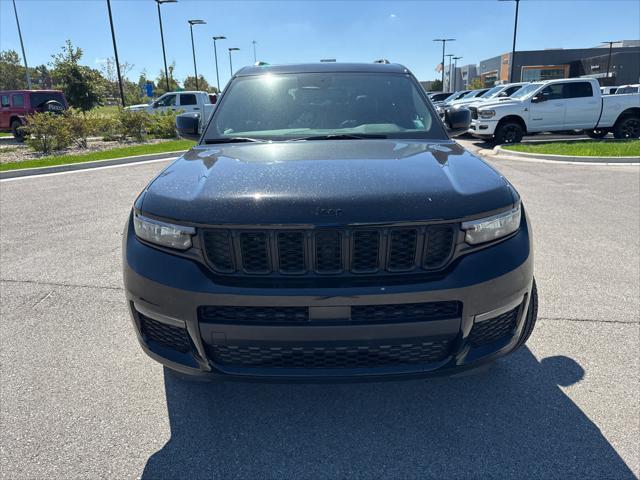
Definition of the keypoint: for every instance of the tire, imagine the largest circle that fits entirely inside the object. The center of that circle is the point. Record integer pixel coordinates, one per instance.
(18, 134)
(627, 127)
(509, 132)
(532, 316)
(597, 134)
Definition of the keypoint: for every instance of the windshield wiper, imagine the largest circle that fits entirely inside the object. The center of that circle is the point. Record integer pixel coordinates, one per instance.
(210, 141)
(341, 136)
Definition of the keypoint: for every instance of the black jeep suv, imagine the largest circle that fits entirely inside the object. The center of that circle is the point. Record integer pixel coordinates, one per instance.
(326, 226)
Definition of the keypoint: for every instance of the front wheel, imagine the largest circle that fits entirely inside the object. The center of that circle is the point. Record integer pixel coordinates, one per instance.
(16, 130)
(509, 132)
(596, 133)
(627, 127)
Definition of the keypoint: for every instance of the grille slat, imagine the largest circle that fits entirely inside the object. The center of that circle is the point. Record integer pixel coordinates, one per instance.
(333, 356)
(239, 315)
(405, 312)
(358, 251)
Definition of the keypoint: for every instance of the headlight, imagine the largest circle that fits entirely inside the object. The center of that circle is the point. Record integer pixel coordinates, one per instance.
(487, 113)
(492, 228)
(162, 233)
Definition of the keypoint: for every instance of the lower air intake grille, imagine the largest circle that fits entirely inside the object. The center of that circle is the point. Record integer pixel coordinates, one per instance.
(167, 335)
(218, 314)
(405, 312)
(344, 356)
(493, 329)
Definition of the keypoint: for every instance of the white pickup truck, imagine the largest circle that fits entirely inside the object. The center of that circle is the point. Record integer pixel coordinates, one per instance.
(556, 106)
(184, 102)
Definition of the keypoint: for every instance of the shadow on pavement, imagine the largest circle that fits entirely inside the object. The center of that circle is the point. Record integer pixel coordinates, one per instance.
(511, 421)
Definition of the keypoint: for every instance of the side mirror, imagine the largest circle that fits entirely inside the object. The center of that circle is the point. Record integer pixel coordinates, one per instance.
(502, 94)
(154, 104)
(213, 98)
(457, 121)
(539, 98)
(188, 126)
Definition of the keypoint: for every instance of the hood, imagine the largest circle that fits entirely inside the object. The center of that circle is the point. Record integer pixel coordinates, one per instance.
(368, 181)
(508, 102)
(140, 106)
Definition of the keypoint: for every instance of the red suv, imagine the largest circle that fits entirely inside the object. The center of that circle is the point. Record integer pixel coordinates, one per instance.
(15, 105)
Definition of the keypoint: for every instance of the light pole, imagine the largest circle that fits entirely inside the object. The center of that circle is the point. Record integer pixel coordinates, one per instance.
(115, 51)
(255, 58)
(455, 72)
(515, 34)
(193, 47)
(24, 56)
(215, 52)
(232, 49)
(609, 59)
(164, 53)
(449, 83)
(444, 42)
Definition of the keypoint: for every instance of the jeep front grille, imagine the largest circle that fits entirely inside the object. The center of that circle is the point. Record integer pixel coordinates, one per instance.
(322, 252)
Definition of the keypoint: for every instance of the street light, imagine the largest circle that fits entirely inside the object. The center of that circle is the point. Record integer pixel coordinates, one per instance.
(609, 59)
(455, 72)
(164, 53)
(231, 49)
(193, 47)
(215, 52)
(444, 41)
(449, 86)
(254, 51)
(115, 51)
(515, 34)
(24, 57)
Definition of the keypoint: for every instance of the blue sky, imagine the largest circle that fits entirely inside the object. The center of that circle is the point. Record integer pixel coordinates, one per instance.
(301, 31)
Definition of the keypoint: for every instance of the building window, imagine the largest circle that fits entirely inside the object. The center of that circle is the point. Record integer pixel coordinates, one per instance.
(537, 74)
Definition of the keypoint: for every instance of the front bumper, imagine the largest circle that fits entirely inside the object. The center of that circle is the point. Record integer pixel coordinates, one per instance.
(165, 292)
(483, 128)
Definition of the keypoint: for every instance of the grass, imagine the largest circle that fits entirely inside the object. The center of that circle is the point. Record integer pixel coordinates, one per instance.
(106, 110)
(170, 146)
(6, 134)
(595, 148)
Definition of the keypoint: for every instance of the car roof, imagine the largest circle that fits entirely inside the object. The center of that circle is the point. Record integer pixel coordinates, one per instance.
(31, 91)
(322, 68)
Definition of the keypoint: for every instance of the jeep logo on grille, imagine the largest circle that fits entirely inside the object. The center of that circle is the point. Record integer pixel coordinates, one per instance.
(328, 212)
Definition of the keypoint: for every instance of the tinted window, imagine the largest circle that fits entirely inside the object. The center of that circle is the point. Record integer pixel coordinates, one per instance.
(5, 100)
(299, 105)
(167, 101)
(38, 98)
(623, 90)
(553, 92)
(17, 100)
(578, 90)
(511, 90)
(188, 99)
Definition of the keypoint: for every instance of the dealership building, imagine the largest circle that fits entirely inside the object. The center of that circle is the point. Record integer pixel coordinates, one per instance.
(622, 62)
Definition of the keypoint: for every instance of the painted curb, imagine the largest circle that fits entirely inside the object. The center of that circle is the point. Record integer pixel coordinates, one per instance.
(25, 172)
(500, 152)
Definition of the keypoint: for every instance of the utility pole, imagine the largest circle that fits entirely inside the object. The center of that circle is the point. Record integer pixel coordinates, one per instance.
(115, 51)
(449, 76)
(24, 56)
(193, 47)
(609, 59)
(164, 53)
(455, 72)
(255, 58)
(444, 41)
(215, 53)
(515, 34)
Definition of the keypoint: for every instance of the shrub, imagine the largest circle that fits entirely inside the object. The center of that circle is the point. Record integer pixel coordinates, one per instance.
(163, 125)
(81, 126)
(46, 132)
(134, 124)
(108, 127)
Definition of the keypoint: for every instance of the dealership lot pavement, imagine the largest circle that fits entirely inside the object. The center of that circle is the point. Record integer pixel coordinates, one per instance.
(79, 399)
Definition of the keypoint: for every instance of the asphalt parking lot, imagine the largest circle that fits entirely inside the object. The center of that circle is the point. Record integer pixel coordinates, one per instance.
(79, 399)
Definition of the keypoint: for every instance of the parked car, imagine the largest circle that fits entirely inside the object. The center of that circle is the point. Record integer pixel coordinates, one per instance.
(439, 96)
(624, 89)
(16, 105)
(454, 96)
(327, 226)
(191, 101)
(557, 106)
(469, 97)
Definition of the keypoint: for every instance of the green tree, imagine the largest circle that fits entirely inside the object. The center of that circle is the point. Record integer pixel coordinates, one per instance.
(11, 71)
(84, 87)
(161, 84)
(42, 77)
(436, 85)
(190, 83)
(476, 84)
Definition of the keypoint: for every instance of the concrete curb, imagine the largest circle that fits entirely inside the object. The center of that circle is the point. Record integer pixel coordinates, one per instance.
(26, 172)
(501, 152)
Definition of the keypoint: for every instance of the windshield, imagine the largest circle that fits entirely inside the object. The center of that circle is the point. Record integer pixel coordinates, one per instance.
(295, 106)
(471, 94)
(526, 90)
(493, 91)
